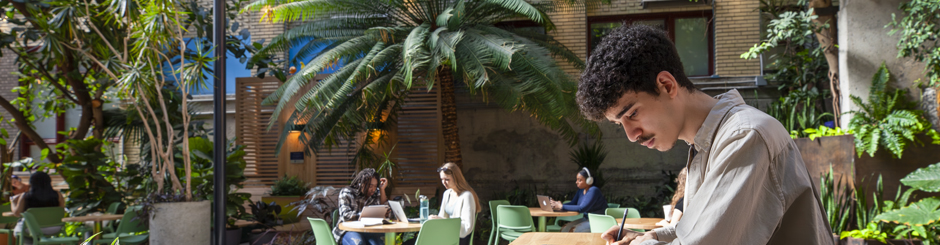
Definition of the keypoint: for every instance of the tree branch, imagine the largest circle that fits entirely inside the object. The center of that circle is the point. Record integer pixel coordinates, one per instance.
(23, 125)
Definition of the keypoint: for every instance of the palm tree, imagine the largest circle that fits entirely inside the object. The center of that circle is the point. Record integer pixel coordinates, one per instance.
(383, 48)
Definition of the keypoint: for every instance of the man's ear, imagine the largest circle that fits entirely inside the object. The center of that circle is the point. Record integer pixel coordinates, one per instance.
(667, 84)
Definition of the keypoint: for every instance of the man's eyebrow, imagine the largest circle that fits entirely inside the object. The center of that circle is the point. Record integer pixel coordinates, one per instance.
(625, 109)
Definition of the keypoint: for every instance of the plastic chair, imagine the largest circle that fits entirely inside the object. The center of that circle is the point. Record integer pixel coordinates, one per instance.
(7, 220)
(45, 217)
(557, 227)
(35, 231)
(335, 217)
(493, 217)
(601, 223)
(111, 226)
(613, 205)
(513, 221)
(618, 212)
(439, 232)
(126, 229)
(321, 232)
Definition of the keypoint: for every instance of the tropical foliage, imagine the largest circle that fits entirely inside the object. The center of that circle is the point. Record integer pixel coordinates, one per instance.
(590, 157)
(382, 51)
(887, 120)
(920, 219)
(919, 29)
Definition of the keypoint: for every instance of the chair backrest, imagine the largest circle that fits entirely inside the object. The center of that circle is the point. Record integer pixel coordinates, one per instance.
(618, 212)
(493, 205)
(439, 232)
(32, 225)
(613, 205)
(321, 232)
(7, 219)
(335, 217)
(48, 216)
(601, 223)
(515, 217)
(129, 224)
(114, 207)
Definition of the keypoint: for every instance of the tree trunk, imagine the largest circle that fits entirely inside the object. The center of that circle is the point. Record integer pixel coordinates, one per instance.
(449, 117)
(827, 41)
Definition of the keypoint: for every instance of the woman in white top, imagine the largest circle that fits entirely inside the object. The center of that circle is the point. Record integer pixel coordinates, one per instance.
(459, 201)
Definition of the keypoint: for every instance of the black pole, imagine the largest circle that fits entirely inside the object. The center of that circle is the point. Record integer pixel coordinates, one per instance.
(218, 118)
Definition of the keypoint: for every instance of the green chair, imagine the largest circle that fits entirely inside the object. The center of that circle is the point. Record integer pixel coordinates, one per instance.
(335, 217)
(557, 226)
(439, 232)
(321, 231)
(613, 205)
(126, 230)
(601, 223)
(495, 221)
(4, 220)
(35, 231)
(111, 226)
(618, 212)
(513, 221)
(45, 217)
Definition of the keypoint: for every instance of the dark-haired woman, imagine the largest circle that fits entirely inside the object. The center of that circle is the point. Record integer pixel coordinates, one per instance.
(364, 190)
(40, 195)
(588, 199)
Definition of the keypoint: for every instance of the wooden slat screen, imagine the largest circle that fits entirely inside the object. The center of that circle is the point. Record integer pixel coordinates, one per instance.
(335, 166)
(418, 149)
(251, 121)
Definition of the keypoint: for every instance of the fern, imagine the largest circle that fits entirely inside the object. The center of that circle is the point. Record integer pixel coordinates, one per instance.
(887, 121)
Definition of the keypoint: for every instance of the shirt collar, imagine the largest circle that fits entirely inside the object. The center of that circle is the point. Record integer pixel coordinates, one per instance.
(706, 133)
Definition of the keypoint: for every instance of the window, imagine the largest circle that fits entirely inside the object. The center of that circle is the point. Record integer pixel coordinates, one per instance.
(691, 31)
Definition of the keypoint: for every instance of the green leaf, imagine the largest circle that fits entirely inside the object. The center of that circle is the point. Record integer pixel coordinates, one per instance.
(925, 179)
(921, 213)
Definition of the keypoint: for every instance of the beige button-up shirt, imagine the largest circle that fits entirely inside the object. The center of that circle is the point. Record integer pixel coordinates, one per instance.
(747, 184)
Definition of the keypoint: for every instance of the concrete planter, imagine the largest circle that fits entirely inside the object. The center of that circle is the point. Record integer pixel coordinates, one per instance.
(181, 223)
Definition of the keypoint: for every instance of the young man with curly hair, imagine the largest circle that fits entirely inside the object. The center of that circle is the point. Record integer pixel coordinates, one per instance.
(746, 180)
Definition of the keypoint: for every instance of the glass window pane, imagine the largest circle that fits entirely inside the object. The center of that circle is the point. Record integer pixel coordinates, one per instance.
(660, 23)
(599, 30)
(692, 45)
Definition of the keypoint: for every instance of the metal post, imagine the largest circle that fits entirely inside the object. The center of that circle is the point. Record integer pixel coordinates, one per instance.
(218, 118)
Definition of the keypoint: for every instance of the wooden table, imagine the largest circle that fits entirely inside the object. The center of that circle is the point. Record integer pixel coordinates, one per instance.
(96, 218)
(389, 230)
(559, 238)
(542, 214)
(640, 223)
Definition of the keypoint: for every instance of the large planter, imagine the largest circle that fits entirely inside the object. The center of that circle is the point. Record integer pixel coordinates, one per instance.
(181, 223)
(287, 213)
(857, 241)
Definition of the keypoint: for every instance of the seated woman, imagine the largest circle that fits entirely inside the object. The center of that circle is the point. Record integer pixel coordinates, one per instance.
(677, 200)
(587, 200)
(459, 201)
(39, 195)
(364, 190)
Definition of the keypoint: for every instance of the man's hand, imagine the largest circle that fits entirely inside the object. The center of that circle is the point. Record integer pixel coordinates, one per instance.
(627, 236)
(383, 182)
(649, 235)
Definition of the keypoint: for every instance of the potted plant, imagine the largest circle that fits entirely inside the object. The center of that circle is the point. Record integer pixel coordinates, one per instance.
(287, 190)
(267, 216)
(919, 220)
(320, 200)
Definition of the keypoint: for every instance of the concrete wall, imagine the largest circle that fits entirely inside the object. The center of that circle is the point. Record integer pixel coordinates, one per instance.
(864, 44)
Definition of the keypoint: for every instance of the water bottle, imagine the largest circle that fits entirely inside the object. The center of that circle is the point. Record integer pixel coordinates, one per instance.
(424, 208)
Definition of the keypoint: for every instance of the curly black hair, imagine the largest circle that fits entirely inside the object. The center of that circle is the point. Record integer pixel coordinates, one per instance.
(627, 60)
(362, 179)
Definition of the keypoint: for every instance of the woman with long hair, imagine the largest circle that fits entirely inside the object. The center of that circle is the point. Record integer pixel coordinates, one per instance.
(588, 199)
(366, 188)
(459, 200)
(677, 199)
(39, 195)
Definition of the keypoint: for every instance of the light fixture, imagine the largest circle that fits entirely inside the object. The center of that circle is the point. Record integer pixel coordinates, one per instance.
(297, 127)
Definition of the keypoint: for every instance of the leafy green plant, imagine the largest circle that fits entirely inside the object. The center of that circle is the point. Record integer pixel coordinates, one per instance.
(289, 186)
(887, 120)
(266, 214)
(837, 200)
(95, 181)
(201, 152)
(871, 232)
(919, 30)
(322, 197)
(919, 219)
(591, 157)
(823, 131)
(799, 110)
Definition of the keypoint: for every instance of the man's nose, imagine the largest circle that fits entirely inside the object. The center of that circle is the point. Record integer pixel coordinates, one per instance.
(632, 132)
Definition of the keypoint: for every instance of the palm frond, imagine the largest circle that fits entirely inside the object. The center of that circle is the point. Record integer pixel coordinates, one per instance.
(525, 9)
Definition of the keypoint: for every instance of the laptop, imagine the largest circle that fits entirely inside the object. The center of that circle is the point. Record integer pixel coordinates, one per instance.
(374, 215)
(400, 213)
(545, 203)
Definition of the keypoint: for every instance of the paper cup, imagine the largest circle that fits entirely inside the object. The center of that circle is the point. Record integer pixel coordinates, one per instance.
(667, 209)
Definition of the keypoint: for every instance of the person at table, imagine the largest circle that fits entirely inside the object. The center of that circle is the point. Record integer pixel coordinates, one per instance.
(588, 199)
(746, 183)
(40, 195)
(18, 186)
(365, 189)
(677, 200)
(459, 200)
